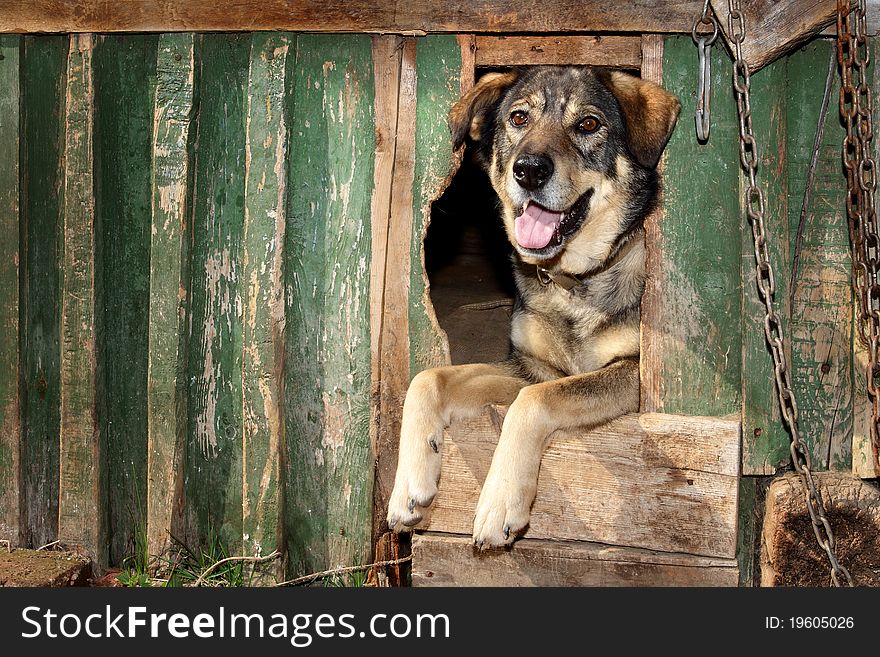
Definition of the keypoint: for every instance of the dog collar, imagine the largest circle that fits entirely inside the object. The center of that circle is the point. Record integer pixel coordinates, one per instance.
(570, 281)
(566, 281)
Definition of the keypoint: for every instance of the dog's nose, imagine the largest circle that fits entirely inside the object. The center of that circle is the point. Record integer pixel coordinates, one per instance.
(532, 171)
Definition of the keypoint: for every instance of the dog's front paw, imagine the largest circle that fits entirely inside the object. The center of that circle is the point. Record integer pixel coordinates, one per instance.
(415, 484)
(413, 492)
(502, 512)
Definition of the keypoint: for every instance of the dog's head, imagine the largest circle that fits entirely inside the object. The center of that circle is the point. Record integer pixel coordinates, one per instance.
(571, 152)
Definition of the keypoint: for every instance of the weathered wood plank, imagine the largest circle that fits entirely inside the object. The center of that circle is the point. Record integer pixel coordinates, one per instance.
(389, 268)
(444, 560)
(864, 456)
(43, 71)
(82, 479)
(328, 503)
(775, 28)
(620, 51)
(691, 343)
(821, 330)
(125, 66)
(338, 16)
(214, 454)
(10, 401)
(765, 440)
(265, 193)
(651, 320)
(653, 481)
(167, 383)
(439, 72)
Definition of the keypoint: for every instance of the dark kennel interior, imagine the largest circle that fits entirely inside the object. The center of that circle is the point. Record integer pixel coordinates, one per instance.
(467, 259)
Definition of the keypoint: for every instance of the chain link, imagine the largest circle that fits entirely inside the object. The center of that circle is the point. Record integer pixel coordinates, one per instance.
(856, 108)
(764, 277)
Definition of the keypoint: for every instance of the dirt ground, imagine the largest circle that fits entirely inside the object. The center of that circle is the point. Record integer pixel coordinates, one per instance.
(40, 568)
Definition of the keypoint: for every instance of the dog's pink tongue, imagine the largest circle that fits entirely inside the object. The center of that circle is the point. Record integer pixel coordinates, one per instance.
(535, 226)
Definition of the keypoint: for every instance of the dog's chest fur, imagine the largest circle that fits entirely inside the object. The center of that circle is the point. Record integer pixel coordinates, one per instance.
(557, 332)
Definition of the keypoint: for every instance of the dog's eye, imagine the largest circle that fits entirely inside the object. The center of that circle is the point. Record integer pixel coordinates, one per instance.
(589, 124)
(519, 118)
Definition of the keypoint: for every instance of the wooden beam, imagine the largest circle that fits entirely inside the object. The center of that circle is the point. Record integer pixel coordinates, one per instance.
(265, 198)
(652, 481)
(213, 453)
(43, 71)
(389, 366)
(765, 439)
(865, 457)
(169, 285)
(822, 298)
(774, 28)
(329, 489)
(10, 400)
(384, 16)
(691, 348)
(447, 560)
(125, 70)
(82, 490)
(651, 321)
(620, 51)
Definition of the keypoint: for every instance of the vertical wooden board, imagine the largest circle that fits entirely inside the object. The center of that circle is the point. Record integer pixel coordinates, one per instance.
(124, 69)
(213, 456)
(43, 71)
(170, 205)
(864, 456)
(765, 439)
(82, 478)
(698, 345)
(438, 87)
(821, 330)
(748, 531)
(263, 291)
(10, 426)
(328, 499)
(389, 270)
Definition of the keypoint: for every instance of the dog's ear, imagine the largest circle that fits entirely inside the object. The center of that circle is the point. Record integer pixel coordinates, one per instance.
(650, 113)
(468, 116)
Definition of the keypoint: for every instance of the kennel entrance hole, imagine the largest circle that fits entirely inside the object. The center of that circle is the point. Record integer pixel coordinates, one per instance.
(467, 260)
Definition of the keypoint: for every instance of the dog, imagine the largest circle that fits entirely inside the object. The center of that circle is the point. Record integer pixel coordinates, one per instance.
(572, 154)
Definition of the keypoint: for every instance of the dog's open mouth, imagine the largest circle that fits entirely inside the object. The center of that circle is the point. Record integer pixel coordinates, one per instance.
(541, 230)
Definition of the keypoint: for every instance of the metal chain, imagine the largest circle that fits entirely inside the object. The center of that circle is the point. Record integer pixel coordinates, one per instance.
(773, 329)
(856, 112)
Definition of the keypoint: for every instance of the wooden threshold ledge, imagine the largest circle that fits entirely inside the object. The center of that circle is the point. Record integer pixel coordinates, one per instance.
(656, 491)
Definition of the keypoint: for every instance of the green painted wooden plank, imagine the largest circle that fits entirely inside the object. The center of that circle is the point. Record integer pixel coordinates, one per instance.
(765, 439)
(167, 380)
(328, 498)
(748, 531)
(213, 455)
(43, 70)
(821, 330)
(699, 271)
(863, 455)
(438, 87)
(124, 69)
(81, 493)
(10, 425)
(263, 307)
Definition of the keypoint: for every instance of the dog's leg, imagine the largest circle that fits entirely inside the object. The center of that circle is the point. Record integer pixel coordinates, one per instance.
(539, 410)
(434, 399)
